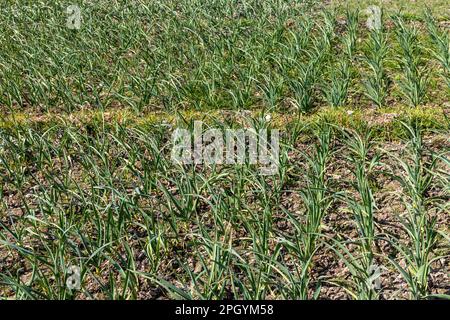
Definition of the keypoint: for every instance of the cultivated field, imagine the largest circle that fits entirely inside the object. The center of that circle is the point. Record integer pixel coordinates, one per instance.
(93, 205)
